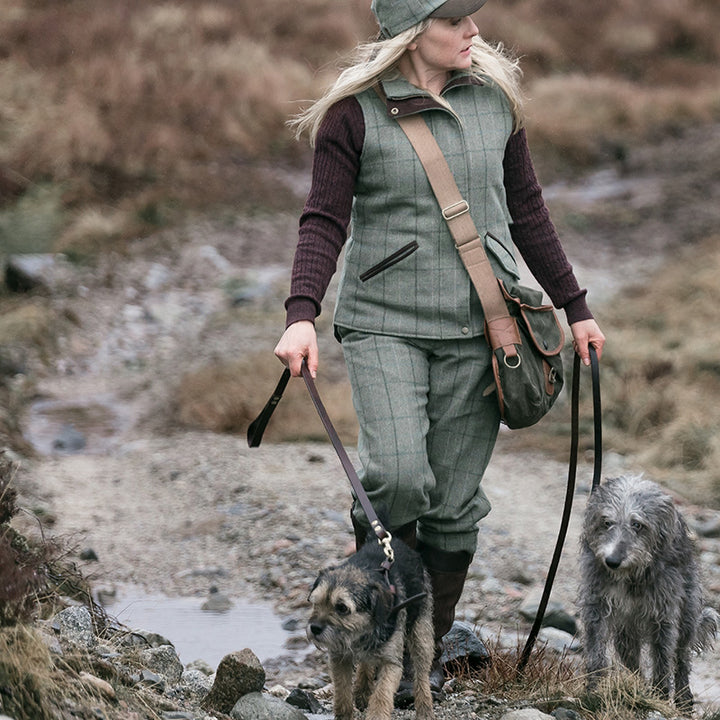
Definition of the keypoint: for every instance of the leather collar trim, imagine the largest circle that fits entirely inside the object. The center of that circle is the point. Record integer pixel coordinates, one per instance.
(403, 99)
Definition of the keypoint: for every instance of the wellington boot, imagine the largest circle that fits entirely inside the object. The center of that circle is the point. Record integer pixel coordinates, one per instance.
(448, 571)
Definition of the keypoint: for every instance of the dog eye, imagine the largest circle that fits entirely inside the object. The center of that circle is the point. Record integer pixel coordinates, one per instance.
(636, 525)
(342, 609)
(608, 524)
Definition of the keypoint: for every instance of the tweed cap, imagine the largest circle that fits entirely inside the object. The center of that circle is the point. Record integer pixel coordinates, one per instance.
(394, 16)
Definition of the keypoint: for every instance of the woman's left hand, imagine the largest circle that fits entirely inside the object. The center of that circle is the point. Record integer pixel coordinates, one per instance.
(587, 332)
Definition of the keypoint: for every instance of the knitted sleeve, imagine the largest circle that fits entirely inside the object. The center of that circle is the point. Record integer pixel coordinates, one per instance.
(534, 234)
(326, 215)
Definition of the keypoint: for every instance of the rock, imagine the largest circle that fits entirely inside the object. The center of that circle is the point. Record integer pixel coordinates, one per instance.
(75, 625)
(149, 679)
(157, 276)
(558, 640)
(69, 439)
(461, 644)
(256, 706)
(562, 713)
(145, 638)
(164, 661)
(200, 665)
(526, 714)
(195, 683)
(708, 528)
(216, 601)
(555, 614)
(238, 674)
(36, 270)
(303, 700)
(95, 683)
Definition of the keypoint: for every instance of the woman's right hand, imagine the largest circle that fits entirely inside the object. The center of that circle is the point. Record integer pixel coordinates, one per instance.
(297, 342)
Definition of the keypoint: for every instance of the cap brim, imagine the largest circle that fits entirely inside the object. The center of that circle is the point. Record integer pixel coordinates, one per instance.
(457, 8)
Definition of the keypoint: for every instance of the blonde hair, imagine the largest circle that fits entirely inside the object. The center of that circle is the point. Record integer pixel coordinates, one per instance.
(379, 59)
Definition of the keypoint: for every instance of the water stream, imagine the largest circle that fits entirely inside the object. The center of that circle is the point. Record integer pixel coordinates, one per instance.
(199, 634)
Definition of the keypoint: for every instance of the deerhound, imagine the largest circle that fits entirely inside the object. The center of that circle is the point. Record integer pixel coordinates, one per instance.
(640, 586)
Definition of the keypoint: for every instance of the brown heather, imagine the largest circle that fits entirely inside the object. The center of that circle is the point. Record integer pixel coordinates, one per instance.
(147, 105)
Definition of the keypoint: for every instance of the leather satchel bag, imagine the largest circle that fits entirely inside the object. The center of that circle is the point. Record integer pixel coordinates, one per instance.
(525, 335)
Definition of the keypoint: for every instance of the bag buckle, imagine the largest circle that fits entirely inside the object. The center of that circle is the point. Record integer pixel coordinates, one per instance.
(455, 210)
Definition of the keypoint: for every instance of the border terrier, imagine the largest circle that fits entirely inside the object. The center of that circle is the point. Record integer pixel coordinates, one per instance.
(365, 615)
(641, 586)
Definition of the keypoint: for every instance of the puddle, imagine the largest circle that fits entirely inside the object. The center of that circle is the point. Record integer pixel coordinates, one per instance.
(90, 425)
(201, 634)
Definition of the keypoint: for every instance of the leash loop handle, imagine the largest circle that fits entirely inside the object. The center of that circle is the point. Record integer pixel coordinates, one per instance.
(570, 491)
(257, 428)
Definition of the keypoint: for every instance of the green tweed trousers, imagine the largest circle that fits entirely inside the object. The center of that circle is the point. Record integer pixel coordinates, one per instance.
(427, 432)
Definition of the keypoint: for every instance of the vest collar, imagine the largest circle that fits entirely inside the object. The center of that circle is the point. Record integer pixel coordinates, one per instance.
(404, 98)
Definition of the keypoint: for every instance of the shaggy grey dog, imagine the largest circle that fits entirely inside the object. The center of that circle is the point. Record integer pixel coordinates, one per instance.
(640, 586)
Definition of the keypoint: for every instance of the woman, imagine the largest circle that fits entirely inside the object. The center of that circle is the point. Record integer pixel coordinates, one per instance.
(410, 322)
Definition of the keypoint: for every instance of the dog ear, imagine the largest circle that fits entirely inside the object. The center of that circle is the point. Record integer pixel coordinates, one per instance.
(380, 602)
(321, 576)
(673, 526)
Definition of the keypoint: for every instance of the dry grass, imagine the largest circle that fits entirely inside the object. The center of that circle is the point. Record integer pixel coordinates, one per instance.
(661, 374)
(550, 681)
(623, 696)
(586, 118)
(546, 677)
(120, 98)
(27, 668)
(227, 396)
(154, 108)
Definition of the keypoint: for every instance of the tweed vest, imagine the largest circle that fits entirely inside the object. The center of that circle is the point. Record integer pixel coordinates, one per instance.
(402, 274)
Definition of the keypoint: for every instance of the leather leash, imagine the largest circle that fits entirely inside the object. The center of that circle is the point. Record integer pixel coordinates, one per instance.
(570, 491)
(257, 427)
(255, 433)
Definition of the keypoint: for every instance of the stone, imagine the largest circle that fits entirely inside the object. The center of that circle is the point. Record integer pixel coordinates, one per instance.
(558, 640)
(96, 683)
(75, 625)
(24, 272)
(164, 661)
(555, 614)
(256, 706)
(526, 714)
(303, 700)
(238, 674)
(462, 645)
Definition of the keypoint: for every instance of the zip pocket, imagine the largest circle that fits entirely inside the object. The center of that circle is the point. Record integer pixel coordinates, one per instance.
(390, 260)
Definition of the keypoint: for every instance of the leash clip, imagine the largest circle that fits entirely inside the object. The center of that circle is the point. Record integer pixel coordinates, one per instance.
(387, 548)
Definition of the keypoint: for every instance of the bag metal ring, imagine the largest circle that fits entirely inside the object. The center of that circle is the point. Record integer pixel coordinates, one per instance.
(515, 366)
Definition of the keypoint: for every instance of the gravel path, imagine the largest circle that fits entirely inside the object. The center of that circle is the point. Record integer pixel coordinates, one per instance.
(176, 513)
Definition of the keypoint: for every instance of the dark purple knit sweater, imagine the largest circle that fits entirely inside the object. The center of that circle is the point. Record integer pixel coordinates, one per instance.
(326, 216)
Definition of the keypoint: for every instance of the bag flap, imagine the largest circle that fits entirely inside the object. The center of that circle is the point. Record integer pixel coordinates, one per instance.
(540, 320)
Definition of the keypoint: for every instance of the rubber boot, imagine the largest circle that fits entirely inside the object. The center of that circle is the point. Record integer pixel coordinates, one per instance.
(448, 571)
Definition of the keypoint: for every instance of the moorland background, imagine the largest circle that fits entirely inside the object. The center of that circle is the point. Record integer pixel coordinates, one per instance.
(122, 121)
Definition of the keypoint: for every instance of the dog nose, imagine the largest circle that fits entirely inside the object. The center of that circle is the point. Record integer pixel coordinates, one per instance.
(316, 629)
(613, 561)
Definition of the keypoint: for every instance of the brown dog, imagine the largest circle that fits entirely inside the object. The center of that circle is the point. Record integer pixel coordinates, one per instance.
(362, 617)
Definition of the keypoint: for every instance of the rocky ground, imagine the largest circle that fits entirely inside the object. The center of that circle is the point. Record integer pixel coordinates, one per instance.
(176, 511)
